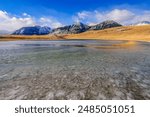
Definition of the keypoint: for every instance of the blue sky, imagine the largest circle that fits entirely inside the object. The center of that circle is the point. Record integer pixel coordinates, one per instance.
(57, 13)
(66, 6)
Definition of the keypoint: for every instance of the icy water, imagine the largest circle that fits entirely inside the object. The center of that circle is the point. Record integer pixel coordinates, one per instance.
(74, 69)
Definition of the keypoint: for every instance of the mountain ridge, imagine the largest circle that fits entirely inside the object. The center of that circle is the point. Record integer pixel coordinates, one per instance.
(68, 29)
(71, 29)
(33, 30)
(104, 25)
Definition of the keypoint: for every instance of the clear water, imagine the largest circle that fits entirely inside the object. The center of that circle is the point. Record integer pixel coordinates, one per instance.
(74, 69)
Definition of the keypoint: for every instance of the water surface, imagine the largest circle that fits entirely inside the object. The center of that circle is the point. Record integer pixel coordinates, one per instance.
(74, 69)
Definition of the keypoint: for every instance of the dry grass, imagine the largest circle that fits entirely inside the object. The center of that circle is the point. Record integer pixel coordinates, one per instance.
(134, 33)
(140, 33)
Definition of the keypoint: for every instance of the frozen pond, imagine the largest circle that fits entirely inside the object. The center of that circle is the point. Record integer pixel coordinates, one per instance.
(74, 69)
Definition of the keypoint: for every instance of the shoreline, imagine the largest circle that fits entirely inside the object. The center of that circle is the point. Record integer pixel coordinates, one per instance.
(49, 39)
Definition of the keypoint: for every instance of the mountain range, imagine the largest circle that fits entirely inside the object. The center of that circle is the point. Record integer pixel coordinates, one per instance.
(69, 29)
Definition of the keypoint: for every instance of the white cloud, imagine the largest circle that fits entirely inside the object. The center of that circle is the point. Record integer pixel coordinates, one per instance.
(11, 23)
(123, 16)
(120, 15)
(26, 15)
(3, 15)
(85, 16)
(143, 16)
(53, 23)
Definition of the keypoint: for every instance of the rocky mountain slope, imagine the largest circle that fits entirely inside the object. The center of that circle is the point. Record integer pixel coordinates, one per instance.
(71, 29)
(105, 25)
(80, 27)
(35, 30)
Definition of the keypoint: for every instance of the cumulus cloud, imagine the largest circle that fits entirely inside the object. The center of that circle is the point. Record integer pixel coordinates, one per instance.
(3, 15)
(123, 16)
(53, 23)
(85, 16)
(142, 16)
(11, 23)
(120, 15)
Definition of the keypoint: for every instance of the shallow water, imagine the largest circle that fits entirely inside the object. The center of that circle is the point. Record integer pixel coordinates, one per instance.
(74, 69)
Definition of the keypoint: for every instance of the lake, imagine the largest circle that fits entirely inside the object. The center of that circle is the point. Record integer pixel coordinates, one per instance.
(74, 69)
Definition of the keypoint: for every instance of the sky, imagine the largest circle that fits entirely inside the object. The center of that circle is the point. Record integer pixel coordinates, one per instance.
(15, 14)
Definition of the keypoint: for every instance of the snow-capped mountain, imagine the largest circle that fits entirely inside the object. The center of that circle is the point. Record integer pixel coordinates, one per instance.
(35, 30)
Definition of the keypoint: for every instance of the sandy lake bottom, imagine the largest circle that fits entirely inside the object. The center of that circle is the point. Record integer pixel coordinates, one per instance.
(74, 69)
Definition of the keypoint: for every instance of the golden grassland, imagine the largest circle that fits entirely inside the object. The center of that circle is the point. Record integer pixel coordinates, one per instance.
(130, 33)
